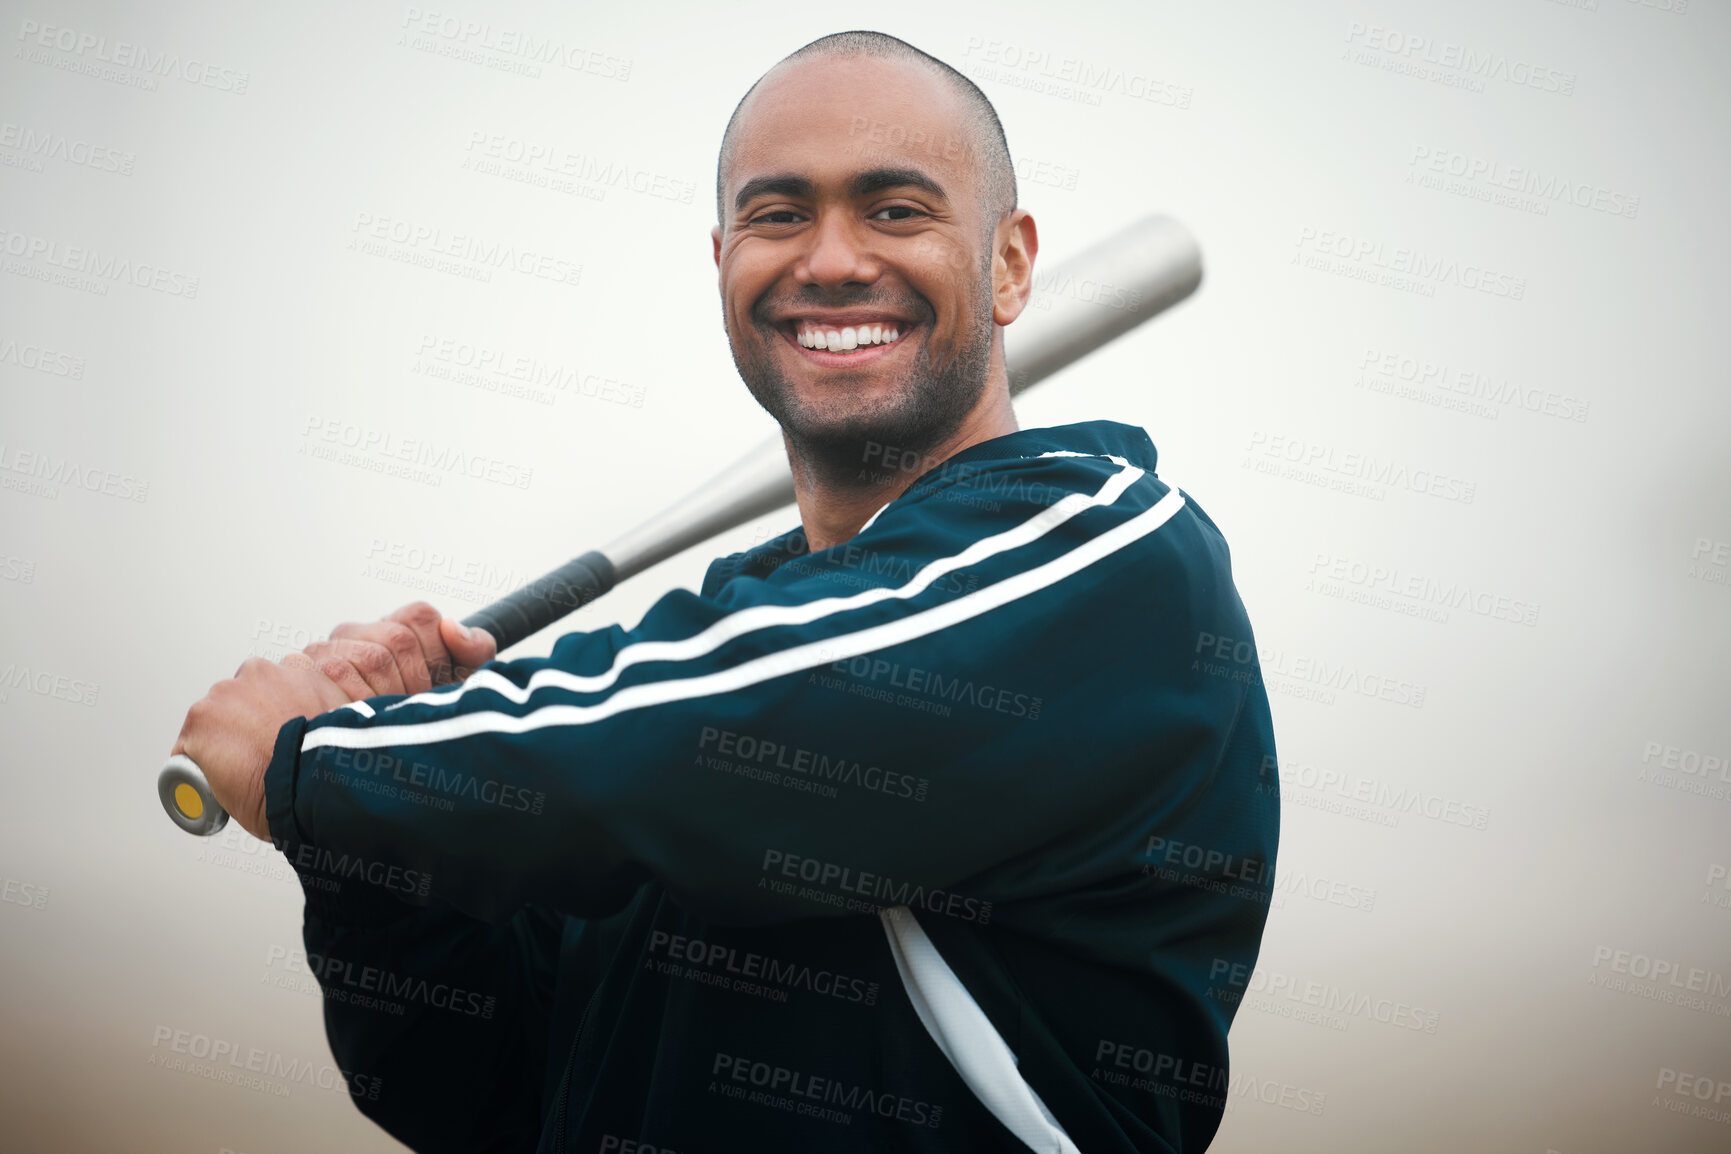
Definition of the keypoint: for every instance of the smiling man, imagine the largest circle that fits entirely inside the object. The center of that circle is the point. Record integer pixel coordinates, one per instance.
(939, 822)
(869, 250)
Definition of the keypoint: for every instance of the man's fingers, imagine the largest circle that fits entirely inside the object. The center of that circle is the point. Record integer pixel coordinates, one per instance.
(376, 665)
(329, 694)
(404, 643)
(334, 670)
(469, 648)
(423, 620)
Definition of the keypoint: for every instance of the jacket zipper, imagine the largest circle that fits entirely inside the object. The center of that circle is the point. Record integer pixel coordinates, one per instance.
(565, 1079)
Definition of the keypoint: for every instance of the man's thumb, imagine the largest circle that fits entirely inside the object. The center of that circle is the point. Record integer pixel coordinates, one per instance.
(469, 648)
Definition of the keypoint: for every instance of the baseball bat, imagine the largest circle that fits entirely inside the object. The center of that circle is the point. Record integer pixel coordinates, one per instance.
(1094, 297)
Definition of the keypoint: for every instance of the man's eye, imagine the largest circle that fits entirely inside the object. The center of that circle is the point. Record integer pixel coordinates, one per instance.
(778, 216)
(905, 211)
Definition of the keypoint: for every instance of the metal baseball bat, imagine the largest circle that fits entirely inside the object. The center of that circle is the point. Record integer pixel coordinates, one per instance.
(1094, 297)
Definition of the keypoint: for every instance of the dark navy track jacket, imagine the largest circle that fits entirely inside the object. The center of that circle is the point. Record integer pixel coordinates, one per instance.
(952, 837)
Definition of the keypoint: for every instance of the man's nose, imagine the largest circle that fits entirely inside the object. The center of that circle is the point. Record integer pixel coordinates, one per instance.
(839, 254)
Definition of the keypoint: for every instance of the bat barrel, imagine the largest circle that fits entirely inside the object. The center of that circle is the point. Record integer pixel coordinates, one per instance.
(1099, 295)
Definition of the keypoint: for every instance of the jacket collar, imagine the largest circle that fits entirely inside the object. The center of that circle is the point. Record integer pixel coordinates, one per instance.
(1099, 438)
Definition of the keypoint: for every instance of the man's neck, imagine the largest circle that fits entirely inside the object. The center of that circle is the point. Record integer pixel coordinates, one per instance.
(834, 508)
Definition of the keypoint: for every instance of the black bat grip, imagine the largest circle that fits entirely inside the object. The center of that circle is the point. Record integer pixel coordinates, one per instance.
(546, 599)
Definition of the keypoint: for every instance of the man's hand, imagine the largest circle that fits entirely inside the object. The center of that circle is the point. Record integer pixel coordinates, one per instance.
(231, 732)
(410, 651)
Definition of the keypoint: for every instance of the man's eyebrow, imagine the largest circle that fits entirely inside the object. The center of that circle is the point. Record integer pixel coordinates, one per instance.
(866, 183)
(781, 184)
(878, 179)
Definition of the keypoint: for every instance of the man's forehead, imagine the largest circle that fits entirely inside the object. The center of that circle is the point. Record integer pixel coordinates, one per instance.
(831, 118)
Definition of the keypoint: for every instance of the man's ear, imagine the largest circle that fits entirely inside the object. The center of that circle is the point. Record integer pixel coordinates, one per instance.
(1018, 242)
(715, 235)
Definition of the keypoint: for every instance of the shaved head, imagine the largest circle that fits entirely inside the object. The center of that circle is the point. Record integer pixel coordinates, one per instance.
(981, 132)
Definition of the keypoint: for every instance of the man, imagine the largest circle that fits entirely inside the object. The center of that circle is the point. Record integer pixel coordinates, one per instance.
(931, 825)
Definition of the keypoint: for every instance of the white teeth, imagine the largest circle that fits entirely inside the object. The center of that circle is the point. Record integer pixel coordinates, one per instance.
(846, 339)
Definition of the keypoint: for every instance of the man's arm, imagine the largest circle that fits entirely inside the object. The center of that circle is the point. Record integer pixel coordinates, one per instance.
(1012, 653)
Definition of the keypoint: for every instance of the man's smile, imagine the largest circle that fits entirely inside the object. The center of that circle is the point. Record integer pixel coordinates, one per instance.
(845, 340)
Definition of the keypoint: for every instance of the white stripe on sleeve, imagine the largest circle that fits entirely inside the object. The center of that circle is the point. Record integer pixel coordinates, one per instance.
(794, 659)
(757, 617)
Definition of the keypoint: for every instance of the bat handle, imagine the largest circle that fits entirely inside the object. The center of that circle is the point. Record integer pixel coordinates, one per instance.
(186, 797)
(185, 792)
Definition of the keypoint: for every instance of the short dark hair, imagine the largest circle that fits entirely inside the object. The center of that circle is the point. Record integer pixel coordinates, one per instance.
(986, 141)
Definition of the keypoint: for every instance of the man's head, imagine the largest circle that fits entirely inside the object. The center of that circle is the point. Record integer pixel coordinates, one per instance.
(864, 187)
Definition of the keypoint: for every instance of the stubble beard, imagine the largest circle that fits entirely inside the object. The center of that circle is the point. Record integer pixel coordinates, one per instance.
(927, 406)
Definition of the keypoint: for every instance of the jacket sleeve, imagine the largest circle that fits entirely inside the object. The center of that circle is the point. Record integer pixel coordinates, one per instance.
(439, 1021)
(998, 664)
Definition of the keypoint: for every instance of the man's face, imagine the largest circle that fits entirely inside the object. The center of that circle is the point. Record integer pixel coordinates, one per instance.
(855, 266)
